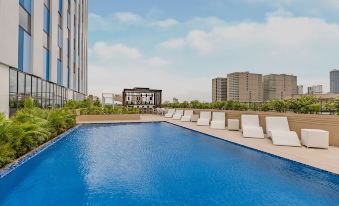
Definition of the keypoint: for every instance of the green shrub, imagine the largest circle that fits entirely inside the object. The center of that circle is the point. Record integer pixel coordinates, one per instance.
(30, 127)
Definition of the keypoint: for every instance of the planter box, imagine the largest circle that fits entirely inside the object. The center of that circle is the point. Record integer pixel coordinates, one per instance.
(107, 118)
(296, 121)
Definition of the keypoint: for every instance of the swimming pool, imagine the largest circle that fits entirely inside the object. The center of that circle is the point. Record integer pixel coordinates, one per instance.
(161, 164)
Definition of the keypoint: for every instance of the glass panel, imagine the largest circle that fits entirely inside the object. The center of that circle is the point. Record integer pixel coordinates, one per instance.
(68, 77)
(25, 20)
(21, 49)
(27, 53)
(47, 3)
(27, 4)
(59, 72)
(46, 40)
(39, 92)
(34, 86)
(13, 77)
(52, 95)
(60, 7)
(13, 101)
(46, 64)
(28, 85)
(21, 83)
(46, 19)
(48, 94)
(59, 37)
(44, 93)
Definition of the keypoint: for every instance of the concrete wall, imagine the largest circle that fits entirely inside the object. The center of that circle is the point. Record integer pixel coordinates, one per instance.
(296, 121)
(37, 38)
(9, 32)
(4, 89)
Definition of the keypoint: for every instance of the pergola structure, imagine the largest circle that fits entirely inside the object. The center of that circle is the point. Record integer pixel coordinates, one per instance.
(143, 98)
(110, 99)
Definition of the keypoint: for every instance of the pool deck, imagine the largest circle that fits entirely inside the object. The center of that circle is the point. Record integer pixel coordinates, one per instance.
(324, 159)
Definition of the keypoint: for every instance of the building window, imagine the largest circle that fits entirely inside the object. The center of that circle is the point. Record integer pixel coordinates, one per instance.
(24, 53)
(60, 7)
(46, 19)
(59, 37)
(27, 5)
(68, 77)
(59, 76)
(46, 64)
(46, 28)
(25, 20)
(24, 49)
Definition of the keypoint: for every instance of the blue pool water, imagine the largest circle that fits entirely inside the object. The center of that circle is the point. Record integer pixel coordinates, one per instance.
(161, 164)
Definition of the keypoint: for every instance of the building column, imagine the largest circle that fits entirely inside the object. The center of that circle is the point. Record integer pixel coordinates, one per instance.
(4, 89)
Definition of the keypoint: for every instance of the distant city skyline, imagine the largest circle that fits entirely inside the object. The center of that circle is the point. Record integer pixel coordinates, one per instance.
(164, 45)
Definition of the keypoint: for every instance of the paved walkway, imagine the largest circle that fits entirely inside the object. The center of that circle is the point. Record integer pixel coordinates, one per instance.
(320, 158)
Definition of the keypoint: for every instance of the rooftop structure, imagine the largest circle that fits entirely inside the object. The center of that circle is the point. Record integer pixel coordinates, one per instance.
(142, 98)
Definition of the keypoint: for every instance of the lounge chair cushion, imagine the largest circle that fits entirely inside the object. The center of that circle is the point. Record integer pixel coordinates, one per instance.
(285, 138)
(253, 132)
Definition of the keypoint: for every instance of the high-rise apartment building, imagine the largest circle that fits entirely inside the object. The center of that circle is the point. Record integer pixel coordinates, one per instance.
(219, 89)
(43, 51)
(334, 79)
(315, 89)
(300, 89)
(245, 87)
(279, 86)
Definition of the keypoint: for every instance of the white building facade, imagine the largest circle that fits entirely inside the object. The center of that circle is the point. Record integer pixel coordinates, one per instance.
(43, 52)
(315, 89)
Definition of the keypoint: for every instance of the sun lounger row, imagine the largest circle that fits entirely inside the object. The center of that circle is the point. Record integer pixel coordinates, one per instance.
(277, 128)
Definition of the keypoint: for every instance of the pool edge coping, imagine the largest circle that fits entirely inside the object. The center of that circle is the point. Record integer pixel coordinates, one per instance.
(261, 151)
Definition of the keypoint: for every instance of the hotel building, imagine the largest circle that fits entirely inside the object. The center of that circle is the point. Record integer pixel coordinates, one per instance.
(219, 89)
(142, 98)
(279, 86)
(245, 87)
(43, 52)
(334, 79)
(300, 89)
(315, 89)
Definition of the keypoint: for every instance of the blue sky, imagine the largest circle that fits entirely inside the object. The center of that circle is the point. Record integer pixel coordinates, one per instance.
(178, 46)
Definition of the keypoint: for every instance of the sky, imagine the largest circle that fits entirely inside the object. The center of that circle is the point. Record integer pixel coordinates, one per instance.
(179, 46)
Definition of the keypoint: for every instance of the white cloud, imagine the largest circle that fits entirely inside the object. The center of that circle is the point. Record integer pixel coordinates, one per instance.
(280, 13)
(157, 61)
(307, 47)
(104, 51)
(127, 17)
(279, 34)
(115, 67)
(97, 22)
(284, 43)
(173, 43)
(167, 23)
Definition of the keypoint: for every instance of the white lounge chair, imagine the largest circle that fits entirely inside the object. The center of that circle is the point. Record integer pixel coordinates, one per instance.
(170, 113)
(178, 114)
(250, 127)
(187, 116)
(278, 130)
(218, 120)
(205, 119)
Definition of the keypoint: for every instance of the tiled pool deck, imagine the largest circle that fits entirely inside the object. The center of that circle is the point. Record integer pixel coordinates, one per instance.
(320, 158)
